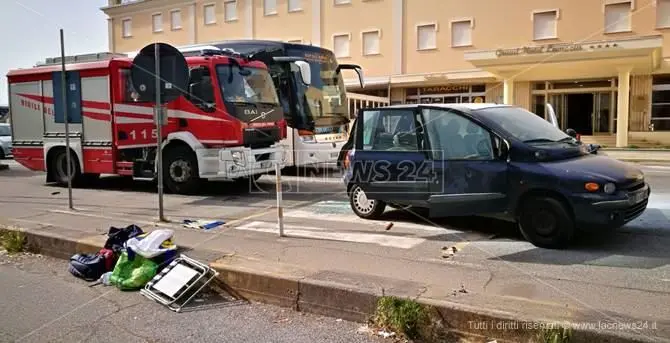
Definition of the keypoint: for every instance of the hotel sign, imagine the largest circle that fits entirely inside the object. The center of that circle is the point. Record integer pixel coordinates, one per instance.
(541, 49)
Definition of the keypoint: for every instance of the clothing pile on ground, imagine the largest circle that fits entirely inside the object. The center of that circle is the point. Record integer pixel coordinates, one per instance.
(129, 259)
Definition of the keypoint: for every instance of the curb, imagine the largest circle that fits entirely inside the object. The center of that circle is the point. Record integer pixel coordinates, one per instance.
(294, 290)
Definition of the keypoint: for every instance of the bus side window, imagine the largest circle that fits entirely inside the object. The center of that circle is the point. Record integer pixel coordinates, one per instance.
(200, 89)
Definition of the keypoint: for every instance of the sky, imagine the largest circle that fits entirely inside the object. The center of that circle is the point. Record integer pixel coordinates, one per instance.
(30, 32)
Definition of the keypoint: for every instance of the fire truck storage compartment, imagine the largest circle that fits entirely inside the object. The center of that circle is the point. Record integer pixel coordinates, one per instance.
(38, 120)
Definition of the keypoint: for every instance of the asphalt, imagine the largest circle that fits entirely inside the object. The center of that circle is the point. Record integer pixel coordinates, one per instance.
(621, 276)
(44, 303)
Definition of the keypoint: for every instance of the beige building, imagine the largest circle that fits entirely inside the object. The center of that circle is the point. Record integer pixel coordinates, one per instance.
(581, 56)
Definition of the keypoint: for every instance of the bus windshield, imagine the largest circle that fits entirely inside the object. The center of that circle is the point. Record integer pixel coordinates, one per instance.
(323, 103)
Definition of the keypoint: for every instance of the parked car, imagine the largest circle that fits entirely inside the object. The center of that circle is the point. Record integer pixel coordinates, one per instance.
(490, 160)
(5, 141)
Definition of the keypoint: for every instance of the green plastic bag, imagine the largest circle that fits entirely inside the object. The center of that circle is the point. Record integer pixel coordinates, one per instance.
(132, 274)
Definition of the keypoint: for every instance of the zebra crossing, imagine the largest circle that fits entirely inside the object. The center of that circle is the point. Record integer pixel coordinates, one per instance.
(334, 220)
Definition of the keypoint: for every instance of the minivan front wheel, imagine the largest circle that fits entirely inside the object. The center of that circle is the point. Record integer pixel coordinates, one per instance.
(546, 222)
(364, 207)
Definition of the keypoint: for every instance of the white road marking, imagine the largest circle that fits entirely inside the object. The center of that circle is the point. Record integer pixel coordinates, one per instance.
(319, 233)
(353, 219)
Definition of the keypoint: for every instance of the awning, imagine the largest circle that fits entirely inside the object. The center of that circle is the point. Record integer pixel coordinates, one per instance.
(572, 60)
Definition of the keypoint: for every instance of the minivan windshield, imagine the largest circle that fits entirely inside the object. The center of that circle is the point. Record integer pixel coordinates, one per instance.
(524, 125)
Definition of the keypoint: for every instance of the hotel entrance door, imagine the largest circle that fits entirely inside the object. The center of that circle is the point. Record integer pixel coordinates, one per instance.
(586, 113)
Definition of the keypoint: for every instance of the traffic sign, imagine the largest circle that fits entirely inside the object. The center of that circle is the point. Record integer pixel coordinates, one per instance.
(173, 73)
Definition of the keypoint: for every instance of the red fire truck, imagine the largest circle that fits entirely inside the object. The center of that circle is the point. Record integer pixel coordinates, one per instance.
(227, 125)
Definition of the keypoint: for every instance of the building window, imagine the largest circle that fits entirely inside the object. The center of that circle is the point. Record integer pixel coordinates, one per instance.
(617, 17)
(341, 45)
(157, 22)
(230, 10)
(342, 2)
(269, 7)
(127, 27)
(461, 33)
(175, 20)
(660, 103)
(545, 25)
(210, 14)
(663, 13)
(371, 42)
(294, 5)
(426, 37)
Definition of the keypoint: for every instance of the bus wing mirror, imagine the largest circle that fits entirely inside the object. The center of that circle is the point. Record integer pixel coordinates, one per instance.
(356, 68)
(305, 71)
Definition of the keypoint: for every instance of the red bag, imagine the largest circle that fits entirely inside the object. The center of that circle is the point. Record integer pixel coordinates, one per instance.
(109, 257)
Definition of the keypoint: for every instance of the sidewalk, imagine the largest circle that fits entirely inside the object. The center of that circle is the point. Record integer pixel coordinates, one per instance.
(324, 271)
(638, 155)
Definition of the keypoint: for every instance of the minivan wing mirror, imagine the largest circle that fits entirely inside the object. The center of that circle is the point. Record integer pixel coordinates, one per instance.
(355, 68)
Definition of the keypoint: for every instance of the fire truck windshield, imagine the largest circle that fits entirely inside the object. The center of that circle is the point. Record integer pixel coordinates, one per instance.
(246, 85)
(323, 103)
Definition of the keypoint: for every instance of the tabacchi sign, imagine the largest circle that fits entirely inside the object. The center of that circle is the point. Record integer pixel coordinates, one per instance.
(530, 50)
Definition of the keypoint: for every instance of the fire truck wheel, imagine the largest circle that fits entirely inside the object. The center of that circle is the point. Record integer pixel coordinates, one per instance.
(59, 168)
(180, 170)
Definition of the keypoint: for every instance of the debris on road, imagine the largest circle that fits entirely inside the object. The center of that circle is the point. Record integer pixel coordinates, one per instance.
(202, 224)
(389, 226)
(448, 252)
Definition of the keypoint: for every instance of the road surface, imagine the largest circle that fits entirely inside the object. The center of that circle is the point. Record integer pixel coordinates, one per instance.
(42, 302)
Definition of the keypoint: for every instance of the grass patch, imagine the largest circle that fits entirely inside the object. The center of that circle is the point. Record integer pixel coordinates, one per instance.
(402, 316)
(555, 335)
(12, 241)
(633, 146)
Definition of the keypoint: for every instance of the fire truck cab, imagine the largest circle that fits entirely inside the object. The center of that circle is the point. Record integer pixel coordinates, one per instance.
(227, 125)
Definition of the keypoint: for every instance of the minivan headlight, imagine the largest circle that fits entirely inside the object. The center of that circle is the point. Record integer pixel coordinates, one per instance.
(609, 188)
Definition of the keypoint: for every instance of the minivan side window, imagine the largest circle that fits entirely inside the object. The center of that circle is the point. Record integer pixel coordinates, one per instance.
(389, 130)
(455, 137)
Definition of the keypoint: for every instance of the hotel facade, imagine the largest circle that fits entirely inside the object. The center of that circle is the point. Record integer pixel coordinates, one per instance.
(603, 65)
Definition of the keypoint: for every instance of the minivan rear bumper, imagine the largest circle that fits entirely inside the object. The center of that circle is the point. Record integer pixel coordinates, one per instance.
(600, 212)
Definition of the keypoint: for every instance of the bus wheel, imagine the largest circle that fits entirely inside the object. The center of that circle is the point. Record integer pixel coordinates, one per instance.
(364, 207)
(59, 168)
(180, 170)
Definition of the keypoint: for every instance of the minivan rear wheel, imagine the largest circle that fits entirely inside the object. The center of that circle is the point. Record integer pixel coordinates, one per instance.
(364, 207)
(546, 222)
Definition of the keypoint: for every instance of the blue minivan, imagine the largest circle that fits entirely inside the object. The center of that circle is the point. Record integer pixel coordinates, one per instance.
(487, 160)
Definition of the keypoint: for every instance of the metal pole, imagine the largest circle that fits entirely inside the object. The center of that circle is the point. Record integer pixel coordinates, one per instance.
(159, 133)
(280, 210)
(66, 118)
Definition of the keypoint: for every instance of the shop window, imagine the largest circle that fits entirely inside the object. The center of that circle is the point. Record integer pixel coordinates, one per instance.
(210, 14)
(175, 20)
(426, 36)
(389, 130)
(461, 33)
(269, 7)
(662, 13)
(371, 42)
(127, 27)
(157, 22)
(341, 45)
(230, 10)
(294, 5)
(617, 17)
(545, 25)
(660, 103)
